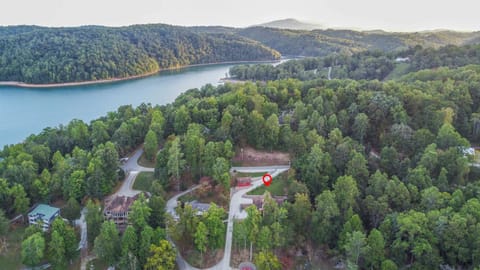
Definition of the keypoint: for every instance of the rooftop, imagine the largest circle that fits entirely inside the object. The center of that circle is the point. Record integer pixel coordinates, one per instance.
(120, 204)
(45, 210)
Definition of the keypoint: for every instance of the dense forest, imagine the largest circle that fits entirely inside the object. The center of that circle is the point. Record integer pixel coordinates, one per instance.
(325, 42)
(381, 176)
(369, 65)
(42, 55)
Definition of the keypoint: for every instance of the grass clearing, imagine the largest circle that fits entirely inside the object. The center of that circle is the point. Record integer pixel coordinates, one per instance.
(278, 187)
(144, 162)
(399, 70)
(256, 174)
(144, 181)
(97, 265)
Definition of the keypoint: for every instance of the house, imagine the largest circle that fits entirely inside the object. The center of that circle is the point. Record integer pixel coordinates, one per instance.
(117, 209)
(402, 59)
(244, 181)
(199, 207)
(259, 201)
(43, 215)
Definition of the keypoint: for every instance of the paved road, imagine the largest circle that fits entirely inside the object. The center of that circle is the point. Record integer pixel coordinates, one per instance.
(83, 230)
(132, 163)
(132, 169)
(234, 212)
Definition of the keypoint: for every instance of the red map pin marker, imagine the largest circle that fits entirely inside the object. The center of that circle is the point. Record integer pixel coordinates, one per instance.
(267, 179)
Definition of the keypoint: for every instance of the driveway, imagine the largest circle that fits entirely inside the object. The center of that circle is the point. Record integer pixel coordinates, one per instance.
(234, 212)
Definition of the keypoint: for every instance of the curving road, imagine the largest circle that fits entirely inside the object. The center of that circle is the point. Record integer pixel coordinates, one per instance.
(132, 168)
(235, 212)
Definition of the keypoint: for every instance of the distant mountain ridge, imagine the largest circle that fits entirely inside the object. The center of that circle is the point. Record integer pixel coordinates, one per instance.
(292, 24)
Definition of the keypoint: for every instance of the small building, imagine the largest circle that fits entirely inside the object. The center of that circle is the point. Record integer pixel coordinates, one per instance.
(43, 215)
(402, 59)
(244, 181)
(118, 208)
(199, 207)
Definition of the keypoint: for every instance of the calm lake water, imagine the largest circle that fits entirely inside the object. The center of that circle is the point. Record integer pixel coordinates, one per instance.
(28, 111)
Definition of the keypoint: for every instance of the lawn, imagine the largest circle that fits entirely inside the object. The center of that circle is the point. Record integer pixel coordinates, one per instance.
(97, 265)
(143, 161)
(256, 174)
(276, 188)
(399, 70)
(11, 259)
(144, 181)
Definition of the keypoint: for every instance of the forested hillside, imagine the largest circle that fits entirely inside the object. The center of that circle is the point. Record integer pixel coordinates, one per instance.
(41, 55)
(380, 173)
(325, 42)
(369, 65)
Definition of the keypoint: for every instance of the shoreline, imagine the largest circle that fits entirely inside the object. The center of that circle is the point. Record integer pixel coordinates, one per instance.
(112, 80)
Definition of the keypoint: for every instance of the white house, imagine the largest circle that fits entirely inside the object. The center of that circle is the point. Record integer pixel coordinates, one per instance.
(43, 215)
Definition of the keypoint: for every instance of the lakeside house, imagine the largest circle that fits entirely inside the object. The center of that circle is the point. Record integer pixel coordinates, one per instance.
(117, 209)
(43, 215)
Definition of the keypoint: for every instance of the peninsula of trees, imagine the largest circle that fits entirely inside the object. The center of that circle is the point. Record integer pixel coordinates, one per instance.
(41, 55)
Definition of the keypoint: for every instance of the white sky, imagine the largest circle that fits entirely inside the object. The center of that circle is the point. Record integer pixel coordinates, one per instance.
(398, 15)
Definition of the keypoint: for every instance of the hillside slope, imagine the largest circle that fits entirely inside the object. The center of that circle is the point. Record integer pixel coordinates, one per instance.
(41, 55)
(324, 42)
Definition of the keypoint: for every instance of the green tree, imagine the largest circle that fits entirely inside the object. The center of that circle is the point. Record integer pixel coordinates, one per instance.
(213, 220)
(99, 133)
(326, 218)
(146, 239)
(150, 145)
(56, 251)
(221, 174)
(357, 168)
(389, 265)
(360, 127)
(265, 239)
(162, 257)
(201, 237)
(157, 215)
(71, 211)
(346, 193)
(21, 201)
(449, 137)
(33, 249)
(69, 237)
(74, 186)
(194, 147)
(176, 162)
(300, 214)
(107, 243)
(139, 213)
(157, 124)
(356, 247)
(182, 119)
(267, 261)
(376, 249)
(94, 220)
(129, 241)
(272, 130)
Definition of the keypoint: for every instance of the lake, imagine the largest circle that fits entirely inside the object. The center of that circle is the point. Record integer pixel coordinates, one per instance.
(25, 111)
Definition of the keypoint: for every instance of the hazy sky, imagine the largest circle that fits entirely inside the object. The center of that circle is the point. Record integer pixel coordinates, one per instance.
(398, 15)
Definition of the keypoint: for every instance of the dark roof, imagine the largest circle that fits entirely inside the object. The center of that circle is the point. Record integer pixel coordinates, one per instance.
(120, 204)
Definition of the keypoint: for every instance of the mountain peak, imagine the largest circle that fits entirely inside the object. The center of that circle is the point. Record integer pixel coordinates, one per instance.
(291, 23)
